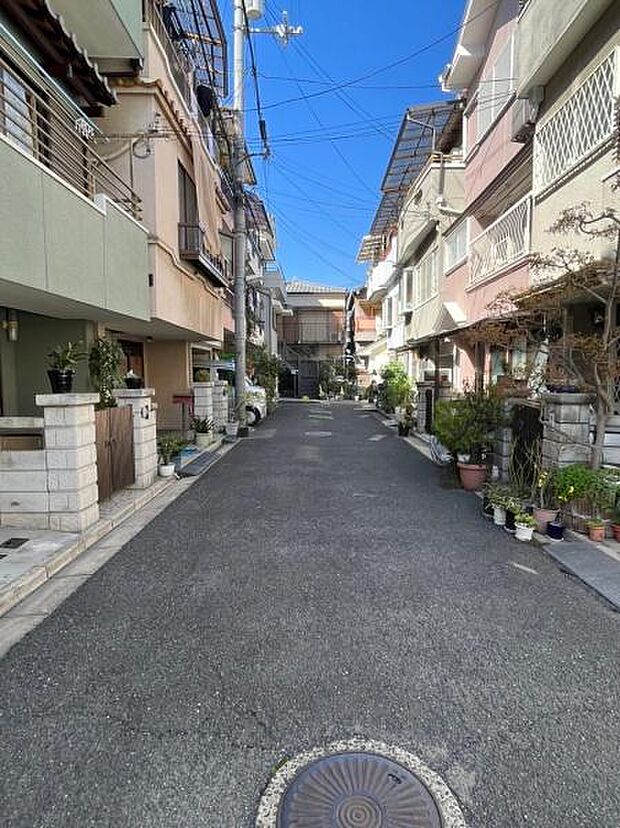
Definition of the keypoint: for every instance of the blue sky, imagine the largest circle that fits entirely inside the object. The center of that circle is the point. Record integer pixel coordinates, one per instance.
(324, 193)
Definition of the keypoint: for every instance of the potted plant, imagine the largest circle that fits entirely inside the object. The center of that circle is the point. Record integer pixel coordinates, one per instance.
(596, 529)
(104, 365)
(466, 426)
(513, 508)
(405, 423)
(203, 430)
(615, 522)
(63, 360)
(497, 494)
(524, 526)
(169, 447)
(132, 380)
(232, 428)
(544, 513)
(555, 530)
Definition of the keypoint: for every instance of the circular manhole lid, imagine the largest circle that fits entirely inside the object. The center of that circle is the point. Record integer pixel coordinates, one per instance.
(358, 790)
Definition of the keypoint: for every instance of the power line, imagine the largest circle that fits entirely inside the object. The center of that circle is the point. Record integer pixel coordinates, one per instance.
(309, 197)
(262, 124)
(373, 73)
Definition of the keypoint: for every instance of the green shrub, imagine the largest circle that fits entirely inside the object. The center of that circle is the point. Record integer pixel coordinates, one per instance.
(396, 390)
(467, 424)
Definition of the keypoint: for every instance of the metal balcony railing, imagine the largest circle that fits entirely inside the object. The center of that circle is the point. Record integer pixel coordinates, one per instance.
(307, 333)
(193, 247)
(501, 244)
(41, 125)
(155, 14)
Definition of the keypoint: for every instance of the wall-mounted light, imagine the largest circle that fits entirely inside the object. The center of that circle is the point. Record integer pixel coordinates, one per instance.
(11, 325)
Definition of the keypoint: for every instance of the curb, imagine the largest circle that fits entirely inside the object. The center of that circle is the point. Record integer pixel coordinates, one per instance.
(25, 584)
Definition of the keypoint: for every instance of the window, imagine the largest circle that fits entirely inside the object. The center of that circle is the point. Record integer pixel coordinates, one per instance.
(406, 289)
(425, 279)
(455, 247)
(188, 203)
(17, 111)
(495, 90)
(388, 312)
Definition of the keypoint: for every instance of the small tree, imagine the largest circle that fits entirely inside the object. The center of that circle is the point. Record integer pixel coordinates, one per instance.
(104, 364)
(396, 385)
(266, 368)
(538, 316)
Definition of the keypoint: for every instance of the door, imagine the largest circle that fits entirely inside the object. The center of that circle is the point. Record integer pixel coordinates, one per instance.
(115, 455)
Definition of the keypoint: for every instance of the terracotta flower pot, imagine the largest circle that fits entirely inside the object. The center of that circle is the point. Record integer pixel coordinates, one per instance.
(543, 517)
(472, 476)
(596, 533)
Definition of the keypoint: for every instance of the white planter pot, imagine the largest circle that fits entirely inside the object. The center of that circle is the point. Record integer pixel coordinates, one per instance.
(204, 440)
(166, 470)
(524, 533)
(232, 429)
(499, 515)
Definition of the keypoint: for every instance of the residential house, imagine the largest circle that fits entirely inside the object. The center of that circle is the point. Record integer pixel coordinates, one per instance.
(313, 336)
(167, 134)
(379, 249)
(73, 254)
(498, 178)
(361, 332)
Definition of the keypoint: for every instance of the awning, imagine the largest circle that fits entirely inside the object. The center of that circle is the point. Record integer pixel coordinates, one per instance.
(59, 47)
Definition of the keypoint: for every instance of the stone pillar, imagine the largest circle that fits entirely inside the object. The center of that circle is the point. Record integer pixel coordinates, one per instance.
(203, 400)
(69, 432)
(220, 403)
(144, 421)
(566, 434)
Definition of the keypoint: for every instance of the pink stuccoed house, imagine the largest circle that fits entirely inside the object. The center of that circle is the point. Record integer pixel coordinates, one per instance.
(498, 175)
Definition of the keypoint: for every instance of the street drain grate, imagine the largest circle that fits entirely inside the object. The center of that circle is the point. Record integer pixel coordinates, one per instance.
(358, 790)
(13, 543)
(357, 783)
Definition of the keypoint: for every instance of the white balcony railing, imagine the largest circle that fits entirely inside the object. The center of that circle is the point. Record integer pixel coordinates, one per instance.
(501, 244)
(583, 123)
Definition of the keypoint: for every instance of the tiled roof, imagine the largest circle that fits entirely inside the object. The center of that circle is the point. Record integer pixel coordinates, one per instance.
(301, 286)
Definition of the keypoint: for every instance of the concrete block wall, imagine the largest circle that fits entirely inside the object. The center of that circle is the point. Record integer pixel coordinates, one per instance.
(566, 436)
(144, 422)
(220, 403)
(24, 496)
(203, 399)
(54, 487)
(69, 429)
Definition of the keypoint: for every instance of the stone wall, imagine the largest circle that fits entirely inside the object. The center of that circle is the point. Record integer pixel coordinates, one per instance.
(566, 419)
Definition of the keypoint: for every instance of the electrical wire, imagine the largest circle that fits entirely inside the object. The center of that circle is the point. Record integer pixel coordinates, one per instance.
(262, 124)
(374, 72)
(348, 101)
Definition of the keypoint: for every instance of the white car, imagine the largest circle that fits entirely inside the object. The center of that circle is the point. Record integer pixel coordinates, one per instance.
(256, 402)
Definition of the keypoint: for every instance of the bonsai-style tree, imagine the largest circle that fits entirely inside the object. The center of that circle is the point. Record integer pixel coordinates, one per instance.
(537, 319)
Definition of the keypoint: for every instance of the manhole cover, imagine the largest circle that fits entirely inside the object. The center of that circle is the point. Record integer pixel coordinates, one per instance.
(358, 790)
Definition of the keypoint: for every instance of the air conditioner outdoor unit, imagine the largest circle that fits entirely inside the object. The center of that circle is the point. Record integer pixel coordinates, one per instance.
(524, 115)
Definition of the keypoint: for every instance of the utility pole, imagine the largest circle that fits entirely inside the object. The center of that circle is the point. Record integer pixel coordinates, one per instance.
(239, 251)
(252, 10)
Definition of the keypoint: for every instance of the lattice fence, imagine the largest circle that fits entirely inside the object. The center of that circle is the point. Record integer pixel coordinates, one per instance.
(584, 122)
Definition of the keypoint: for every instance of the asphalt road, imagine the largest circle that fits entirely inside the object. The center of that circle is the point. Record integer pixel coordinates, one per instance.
(311, 588)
